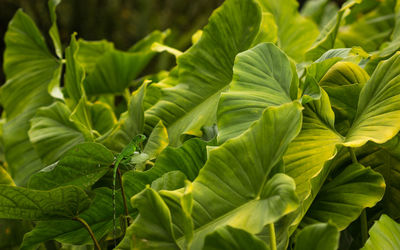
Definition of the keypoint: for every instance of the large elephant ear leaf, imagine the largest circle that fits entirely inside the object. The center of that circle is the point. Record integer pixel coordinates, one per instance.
(233, 238)
(384, 234)
(295, 32)
(152, 229)
(385, 160)
(99, 216)
(52, 133)
(343, 83)
(378, 110)
(81, 166)
(315, 144)
(29, 68)
(205, 70)
(235, 187)
(262, 77)
(318, 236)
(342, 200)
(111, 71)
(60, 203)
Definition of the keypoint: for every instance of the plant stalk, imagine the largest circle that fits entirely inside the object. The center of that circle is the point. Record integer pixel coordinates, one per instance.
(83, 222)
(123, 197)
(272, 240)
(364, 227)
(353, 155)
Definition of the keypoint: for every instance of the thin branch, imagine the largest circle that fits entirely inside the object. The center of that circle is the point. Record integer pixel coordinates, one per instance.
(84, 223)
(123, 197)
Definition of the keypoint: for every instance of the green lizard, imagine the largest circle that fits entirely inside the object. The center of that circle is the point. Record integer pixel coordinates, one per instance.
(125, 155)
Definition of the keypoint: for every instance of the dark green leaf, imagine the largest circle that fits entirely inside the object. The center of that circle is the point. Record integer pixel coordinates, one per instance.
(228, 237)
(60, 203)
(318, 236)
(81, 166)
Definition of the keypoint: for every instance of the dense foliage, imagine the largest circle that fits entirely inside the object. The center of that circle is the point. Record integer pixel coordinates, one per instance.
(277, 129)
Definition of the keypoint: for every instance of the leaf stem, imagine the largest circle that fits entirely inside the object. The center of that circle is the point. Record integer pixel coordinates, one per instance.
(353, 155)
(123, 197)
(272, 240)
(84, 223)
(364, 227)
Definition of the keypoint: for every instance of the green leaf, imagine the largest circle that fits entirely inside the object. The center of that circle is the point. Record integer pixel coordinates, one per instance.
(102, 117)
(89, 52)
(344, 73)
(157, 142)
(234, 187)
(205, 70)
(318, 236)
(178, 206)
(93, 119)
(93, 56)
(131, 123)
(342, 200)
(385, 160)
(235, 178)
(384, 234)
(169, 181)
(99, 217)
(268, 30)
(320, 11)
(81, 166)
(228, 237)
(114, 69)
(354, 54)
(262, 78)
(343, 83)
(53, 32)
(29, 68)
(394, 44)
(54, 86)
(314, 73)
(153, 223)
(315, 144)
(52, 133)
(74, 74)
(60, 203)
(370, 29)
(26, 55)
(295, 33)
(378, 110)
(327, 37)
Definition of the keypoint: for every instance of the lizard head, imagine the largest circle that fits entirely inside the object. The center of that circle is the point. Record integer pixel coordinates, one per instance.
(139, 138)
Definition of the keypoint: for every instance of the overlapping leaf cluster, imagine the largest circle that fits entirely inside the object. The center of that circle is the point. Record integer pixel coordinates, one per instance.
(276, 129)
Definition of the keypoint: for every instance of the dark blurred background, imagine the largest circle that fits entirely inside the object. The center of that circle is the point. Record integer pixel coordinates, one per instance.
(122, 21)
